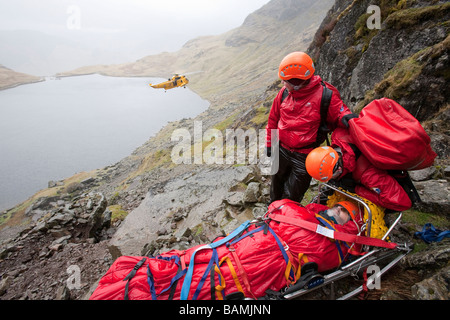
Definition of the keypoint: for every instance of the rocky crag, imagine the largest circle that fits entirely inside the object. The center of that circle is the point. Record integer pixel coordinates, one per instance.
(81, 221)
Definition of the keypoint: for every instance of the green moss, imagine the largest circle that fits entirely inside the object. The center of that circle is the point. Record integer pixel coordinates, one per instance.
(226, 124)
(397, 15)
(412, 16)
(309, 195)
(405, 72)
(420, 218)
(198, 229)
(114, 197)
(414, 220)
(402, 4)
(16, 215)
(241, 186)
(261, 117)
(363, 35)
(5, 217)
(161, 158)
(117, 213)
(420, 246)
(396, 81)
(361, 27)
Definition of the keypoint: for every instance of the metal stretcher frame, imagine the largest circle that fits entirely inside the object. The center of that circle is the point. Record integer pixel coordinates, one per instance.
(372, 257)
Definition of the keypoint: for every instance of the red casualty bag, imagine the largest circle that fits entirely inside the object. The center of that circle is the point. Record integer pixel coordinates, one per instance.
(391, 138)
(265, 255)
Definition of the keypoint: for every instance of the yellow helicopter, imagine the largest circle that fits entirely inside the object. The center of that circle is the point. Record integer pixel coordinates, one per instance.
(175, 82)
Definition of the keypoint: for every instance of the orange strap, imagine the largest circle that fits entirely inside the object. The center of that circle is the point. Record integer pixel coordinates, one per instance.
(233, 272)
(290, 266)
(182, 257)
(304, 258)
(219, 288)
(241, 270)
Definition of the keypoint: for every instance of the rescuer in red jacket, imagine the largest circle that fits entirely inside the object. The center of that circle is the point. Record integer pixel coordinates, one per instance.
(344, 161)
(296, 120)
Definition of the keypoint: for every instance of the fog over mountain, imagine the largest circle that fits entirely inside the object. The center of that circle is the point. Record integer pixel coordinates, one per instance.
(46, 37)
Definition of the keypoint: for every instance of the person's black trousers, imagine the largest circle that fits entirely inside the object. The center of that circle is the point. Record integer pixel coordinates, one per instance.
(291, 181)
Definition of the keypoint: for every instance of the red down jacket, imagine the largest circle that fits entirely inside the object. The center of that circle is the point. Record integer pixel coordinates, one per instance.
(252, 264)
(391, 138)
(374, 184)
(298, 117)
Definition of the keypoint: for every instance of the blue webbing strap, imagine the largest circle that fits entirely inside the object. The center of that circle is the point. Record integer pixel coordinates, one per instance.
(187, 280)
(214, 259)
(431, 234)
(151, 282)
(174, 279)
(247, 234)
(337, 242)
(176, 258)
(283, 251)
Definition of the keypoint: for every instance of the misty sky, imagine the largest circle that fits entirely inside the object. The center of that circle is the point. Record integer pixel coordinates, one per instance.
(107, 31)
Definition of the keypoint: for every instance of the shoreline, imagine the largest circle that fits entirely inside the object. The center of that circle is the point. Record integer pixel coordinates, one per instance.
(15, 85)
(44, 78)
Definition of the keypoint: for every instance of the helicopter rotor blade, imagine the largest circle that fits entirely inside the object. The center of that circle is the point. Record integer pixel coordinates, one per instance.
(193, 72)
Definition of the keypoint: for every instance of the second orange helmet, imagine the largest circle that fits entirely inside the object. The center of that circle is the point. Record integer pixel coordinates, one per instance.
(320, 163)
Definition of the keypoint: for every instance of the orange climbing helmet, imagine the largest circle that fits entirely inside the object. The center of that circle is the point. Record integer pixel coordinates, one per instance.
(298, 65)
(321, 162)
(352, 208)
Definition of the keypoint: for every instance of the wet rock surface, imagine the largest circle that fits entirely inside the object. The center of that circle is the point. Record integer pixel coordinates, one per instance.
(61, 253)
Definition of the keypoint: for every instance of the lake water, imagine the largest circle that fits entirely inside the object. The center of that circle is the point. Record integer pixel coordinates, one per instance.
(54, 129)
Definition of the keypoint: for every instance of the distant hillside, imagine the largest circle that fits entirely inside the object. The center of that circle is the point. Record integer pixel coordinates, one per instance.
(238, 63)
(10, 78)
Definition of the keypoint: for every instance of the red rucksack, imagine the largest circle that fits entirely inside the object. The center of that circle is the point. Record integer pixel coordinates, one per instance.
(391, 138)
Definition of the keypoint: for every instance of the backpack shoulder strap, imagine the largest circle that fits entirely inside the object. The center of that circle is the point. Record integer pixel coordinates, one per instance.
(284, 95)
(324, 106)
(325, 103)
